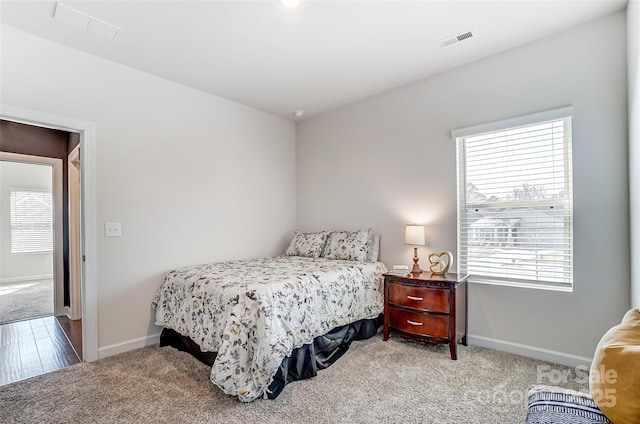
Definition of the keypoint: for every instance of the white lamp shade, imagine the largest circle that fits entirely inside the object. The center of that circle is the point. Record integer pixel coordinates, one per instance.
(414, 234)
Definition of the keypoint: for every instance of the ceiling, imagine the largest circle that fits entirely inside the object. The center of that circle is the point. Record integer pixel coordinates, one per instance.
(316, 57)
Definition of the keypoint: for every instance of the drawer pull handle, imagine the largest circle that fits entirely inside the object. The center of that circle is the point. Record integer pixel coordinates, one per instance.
(414, 322)
(414, 298)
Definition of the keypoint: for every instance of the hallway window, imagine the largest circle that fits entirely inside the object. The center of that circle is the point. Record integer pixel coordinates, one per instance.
(31, 221)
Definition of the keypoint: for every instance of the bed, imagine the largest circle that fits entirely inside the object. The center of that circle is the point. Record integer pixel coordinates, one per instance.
(257, 321)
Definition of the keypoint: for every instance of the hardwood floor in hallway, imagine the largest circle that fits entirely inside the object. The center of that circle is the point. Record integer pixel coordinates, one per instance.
(32, 347)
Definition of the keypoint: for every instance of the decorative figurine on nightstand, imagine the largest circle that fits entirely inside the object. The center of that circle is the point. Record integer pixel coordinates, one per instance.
(438, 266)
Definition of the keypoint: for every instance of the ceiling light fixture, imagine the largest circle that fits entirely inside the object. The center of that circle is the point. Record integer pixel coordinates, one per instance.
(298, 113)
(290, 3)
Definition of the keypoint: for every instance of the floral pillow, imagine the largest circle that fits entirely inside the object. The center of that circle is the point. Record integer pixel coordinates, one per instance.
(352, 246)
(307, 244)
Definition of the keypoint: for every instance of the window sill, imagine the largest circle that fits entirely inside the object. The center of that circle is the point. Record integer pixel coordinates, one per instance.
(521, 284)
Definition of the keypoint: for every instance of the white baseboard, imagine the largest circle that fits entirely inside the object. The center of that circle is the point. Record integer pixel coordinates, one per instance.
(530, 351)
(115, 349)
(495, 344)
(10, 280)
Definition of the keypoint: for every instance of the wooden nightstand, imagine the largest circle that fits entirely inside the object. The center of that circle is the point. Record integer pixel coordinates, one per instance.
(429, 307)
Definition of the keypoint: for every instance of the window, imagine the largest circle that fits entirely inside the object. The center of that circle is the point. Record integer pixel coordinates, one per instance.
(515, 217)
(31, 221)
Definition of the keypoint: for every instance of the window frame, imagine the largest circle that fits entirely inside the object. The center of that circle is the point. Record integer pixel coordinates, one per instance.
(459, 135)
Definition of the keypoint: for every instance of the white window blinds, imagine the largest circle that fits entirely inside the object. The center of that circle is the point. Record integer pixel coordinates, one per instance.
(31, 221)
(515, 217)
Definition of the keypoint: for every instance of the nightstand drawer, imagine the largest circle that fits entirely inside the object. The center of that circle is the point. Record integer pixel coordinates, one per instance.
(419, 323)
(424, 298)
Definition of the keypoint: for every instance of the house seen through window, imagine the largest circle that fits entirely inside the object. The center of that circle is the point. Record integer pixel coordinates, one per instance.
(515, 217)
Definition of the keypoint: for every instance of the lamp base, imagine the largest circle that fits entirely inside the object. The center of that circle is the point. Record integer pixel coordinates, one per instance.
(415, 271)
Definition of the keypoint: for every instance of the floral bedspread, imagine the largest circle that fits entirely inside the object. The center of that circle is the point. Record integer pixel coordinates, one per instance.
(253, 313)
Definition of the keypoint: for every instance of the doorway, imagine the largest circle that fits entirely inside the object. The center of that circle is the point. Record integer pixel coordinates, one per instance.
(38, 228)
(26, 247)
(87, 134)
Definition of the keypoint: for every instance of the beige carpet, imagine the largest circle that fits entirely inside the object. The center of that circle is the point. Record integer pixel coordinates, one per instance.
(30, 299)
(375, 382)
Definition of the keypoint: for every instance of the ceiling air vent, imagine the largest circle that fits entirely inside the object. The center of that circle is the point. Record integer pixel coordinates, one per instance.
(89, 23)
(450, 41)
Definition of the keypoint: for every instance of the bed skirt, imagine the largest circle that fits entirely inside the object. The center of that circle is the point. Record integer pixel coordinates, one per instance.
(304, 362)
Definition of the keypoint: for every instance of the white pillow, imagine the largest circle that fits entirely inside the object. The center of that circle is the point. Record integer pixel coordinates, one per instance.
(307, 244)
(351, 246)
(374, 248)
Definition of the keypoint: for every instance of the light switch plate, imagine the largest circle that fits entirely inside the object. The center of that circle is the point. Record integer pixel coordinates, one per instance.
(112, 229)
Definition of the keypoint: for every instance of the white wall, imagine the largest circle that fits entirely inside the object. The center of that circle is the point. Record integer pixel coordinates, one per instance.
(191, 177)
(633, 40)
(21, 267)
(389, 160)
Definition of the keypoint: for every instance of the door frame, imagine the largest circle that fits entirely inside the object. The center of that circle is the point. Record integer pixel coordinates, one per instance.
(56, 194)
(75, 240)
(87, 131)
